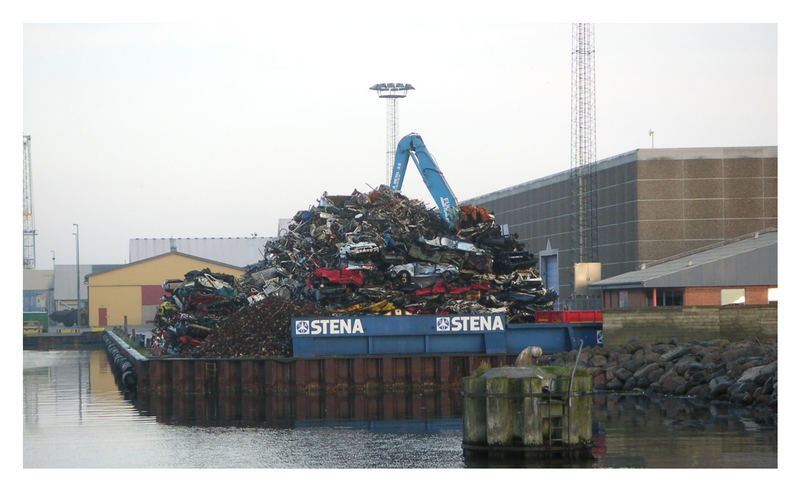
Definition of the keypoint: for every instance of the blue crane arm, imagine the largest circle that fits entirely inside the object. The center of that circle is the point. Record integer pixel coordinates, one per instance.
(412, 145)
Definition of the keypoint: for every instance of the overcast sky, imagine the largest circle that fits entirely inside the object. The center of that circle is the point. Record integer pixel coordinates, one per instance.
(216, 130)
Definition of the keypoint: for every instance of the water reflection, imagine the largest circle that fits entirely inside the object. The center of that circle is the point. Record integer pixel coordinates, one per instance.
(286, 410)
(75, 416)
(638, 431)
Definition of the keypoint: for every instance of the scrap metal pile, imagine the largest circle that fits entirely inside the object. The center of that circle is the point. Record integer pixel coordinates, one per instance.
(382, 253)
(260, 330)
(376, 253)
(191, 310)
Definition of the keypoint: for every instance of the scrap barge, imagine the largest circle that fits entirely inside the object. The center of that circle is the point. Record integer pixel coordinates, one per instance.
(367, 354)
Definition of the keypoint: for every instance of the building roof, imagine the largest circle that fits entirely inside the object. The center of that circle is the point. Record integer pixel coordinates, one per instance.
(746, 261)
(165, 255)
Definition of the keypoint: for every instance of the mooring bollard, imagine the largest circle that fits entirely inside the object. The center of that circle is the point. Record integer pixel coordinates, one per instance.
(528, 409)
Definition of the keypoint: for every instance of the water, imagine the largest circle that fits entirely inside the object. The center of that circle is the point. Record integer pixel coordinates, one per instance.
(74, 415)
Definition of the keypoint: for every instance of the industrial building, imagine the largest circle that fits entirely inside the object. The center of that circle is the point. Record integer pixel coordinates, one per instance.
(649, 204)
(130, 294)
(237, 251)
(740, 271)
(65, 284)
(37, 290)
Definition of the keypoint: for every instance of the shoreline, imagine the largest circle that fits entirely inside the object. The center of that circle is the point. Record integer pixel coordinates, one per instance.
(743, 373)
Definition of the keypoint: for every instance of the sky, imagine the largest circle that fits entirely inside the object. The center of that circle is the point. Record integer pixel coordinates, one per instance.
(219, 129)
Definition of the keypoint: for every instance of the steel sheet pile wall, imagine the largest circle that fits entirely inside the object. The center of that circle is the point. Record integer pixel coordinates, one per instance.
(258, 376)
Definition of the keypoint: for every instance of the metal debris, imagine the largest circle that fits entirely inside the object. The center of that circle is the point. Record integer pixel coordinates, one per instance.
(351, 252)
(376, 253)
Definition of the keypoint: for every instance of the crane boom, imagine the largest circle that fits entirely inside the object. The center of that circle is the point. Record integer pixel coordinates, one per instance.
(413, 146)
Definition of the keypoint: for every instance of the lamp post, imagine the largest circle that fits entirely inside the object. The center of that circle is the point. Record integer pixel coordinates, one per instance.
(77, 273)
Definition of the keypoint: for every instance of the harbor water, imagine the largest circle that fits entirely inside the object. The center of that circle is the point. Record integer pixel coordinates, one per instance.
(75, 416)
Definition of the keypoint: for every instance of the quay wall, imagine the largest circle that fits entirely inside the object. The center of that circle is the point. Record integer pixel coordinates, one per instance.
(57, 341)
(690, 323)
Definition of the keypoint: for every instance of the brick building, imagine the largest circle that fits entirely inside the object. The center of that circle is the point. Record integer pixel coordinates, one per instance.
(739, 271)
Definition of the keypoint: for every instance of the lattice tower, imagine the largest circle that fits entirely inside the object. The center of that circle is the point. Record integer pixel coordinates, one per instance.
(583, 145)
(28, 225)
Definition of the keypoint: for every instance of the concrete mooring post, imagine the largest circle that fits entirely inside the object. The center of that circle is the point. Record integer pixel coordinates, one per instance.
(528, 410)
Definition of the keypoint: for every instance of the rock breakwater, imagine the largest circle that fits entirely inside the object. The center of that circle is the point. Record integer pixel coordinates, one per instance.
(744, 373)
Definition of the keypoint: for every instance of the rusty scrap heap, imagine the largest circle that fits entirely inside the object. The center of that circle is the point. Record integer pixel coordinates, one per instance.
(382, 253)
(376, 253)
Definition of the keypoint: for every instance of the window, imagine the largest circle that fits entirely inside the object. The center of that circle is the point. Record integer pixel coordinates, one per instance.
(665, 297)
(732, 296)
(772, 295)
(672, 297)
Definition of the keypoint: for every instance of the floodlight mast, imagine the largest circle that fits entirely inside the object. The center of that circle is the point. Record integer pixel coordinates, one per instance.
(28, 226)
(391, 92)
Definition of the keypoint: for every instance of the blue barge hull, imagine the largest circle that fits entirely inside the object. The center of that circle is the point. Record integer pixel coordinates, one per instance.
(435, 334)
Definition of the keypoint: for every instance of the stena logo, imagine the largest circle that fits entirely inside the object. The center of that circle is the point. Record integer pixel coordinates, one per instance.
(329, 326)
(301, 327)
(469, 323)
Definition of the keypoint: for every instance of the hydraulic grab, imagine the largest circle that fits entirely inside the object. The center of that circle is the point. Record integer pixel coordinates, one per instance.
(412, 145)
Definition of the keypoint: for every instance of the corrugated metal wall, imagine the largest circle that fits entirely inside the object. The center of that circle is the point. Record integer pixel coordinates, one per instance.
(237, 251)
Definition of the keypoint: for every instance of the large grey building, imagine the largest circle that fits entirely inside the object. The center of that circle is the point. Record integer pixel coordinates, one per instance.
(650, 204)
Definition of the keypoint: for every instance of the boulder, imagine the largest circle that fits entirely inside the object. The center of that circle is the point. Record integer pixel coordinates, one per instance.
(674, 354)
(630, 384)
(697, 378)
(742, 398)
(674, 384)
(633, 364)
(622, 374)
(683, 364)
(768, 386)
(652, 357)
(751, 374)
(693, 367)
(643, 371)
(654, 375)
(719, 386)
(598, 361)
(633, 346)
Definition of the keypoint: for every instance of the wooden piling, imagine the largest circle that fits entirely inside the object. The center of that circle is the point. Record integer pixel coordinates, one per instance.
(474, 420)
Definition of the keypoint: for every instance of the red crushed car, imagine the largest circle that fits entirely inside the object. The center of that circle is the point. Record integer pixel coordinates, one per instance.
(327, 276)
